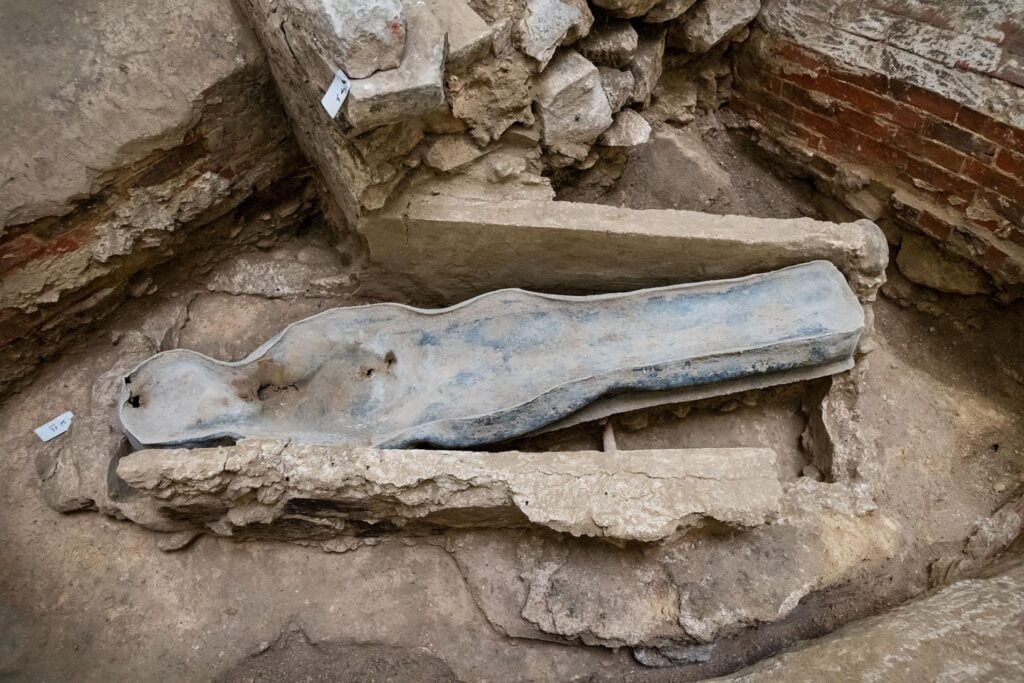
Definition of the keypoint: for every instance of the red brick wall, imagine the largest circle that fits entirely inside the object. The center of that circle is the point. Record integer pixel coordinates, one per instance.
(950, 171)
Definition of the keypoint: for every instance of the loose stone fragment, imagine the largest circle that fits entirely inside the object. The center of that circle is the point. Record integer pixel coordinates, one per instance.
(716, 20)
(571, 105)
(626, 8)
(646, 66)
(415, 88)
(493, 95)
(628, 130)
(359, 37)
(610, 44)
(546, 25)
(250, 488)
(667, 10)
(617, 85)
(469, 37)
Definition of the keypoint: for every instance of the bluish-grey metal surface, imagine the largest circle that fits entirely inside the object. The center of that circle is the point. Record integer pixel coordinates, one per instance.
(502, 365)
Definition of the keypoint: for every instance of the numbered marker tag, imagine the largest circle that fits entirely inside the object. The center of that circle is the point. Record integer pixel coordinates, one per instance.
(336, 94)
(55, 427)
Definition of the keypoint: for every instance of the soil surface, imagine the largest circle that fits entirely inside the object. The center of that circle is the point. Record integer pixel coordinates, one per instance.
(86, 597)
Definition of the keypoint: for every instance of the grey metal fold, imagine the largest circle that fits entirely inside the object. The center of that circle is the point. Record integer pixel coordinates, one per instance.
(501, 365)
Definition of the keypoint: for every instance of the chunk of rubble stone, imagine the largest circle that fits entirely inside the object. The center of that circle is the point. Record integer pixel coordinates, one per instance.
(922, 262)
(643, 496)
(571, 105)
(360, 37)
(493, 95)
(646, 66)
(714, 21)
(451, 152)
(469, 36)
(629, 130)
(668, 10)
(545, 25)
(415, 88)
(626, 9)
(484, 372)
(611, 44)
(617, 85)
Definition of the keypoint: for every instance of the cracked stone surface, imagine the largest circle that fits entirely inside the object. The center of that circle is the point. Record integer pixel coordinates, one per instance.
(626, 8)
(628, 130)
(546, 24)
(271, 489)
(617, 85)
(610, 44)
(716, 20)
(571, 105)
(359, 37)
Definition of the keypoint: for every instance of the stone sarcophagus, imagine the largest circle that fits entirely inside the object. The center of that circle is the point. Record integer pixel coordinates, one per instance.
(502, 365)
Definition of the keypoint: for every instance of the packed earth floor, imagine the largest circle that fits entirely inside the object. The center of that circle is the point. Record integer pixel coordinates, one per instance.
(87, 597)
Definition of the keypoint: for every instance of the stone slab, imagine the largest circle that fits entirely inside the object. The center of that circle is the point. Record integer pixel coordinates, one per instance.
(256, 486)
(460, 247)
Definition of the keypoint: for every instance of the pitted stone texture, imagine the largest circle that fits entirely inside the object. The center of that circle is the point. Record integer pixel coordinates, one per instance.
(716, 20)
(646, 66)
(415, 88)
(967, 631)
(623, 496)
(692, 590)
(493, 95)
(469, 37)
(667, 10)
(626, 8)
(547, 24)
(628, 130)
(617, 85)
(571, 105)
(359, 37)
(611, 44)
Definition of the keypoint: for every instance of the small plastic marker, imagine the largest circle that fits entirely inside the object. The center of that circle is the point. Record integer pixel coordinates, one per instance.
(336, 93)
(55, 427)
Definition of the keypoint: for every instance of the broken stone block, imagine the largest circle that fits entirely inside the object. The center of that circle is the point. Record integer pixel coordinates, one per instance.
(714, 21)
(646, 66)
(617, 85)
(674, 100)
(248, 489)
(611, 44)
(440, 378)
(922, 262)
(493, 95)
(469, 36)
(360, 37)
(668, 10)
(546, 24)
(571, 105)
(629, 130)
(452, 151)
(415, 88)
(626, 9)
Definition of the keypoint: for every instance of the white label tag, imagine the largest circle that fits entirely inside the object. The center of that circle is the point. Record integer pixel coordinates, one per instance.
(336, 94)
(55, 427)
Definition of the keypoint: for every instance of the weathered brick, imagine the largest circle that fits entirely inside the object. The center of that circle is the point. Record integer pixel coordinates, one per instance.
(932, 225)
(991, 178)
(868, 80)
(798, 55)
(18, 251)
(1011, 163)
(803, 98)
(928, 150)
(958, 138)
(996, 131)
(924, 99)
(865, 124)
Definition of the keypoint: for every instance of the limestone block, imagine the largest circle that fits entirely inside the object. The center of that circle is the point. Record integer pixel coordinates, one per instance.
(668, 10)
(571, 105)
(624, 496)
(462, 247)
(546, 24)
(452, 151)
(617, 85)
(493, 94)
(628, 130)
(922, 261)
(415, 88)
(611, 44)
(469, 36)
(716, 20)
(646, 66)
(359, 37)
(626, 8)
